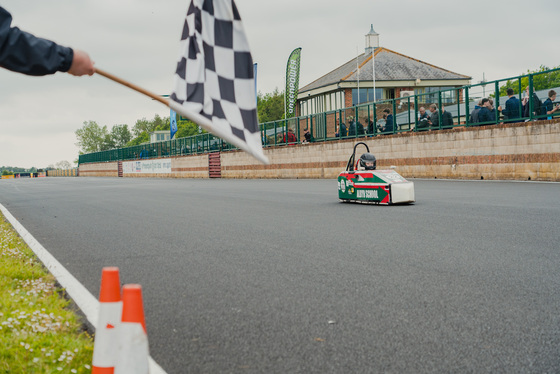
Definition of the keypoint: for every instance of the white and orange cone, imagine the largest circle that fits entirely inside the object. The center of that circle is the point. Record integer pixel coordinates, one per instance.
(133, 349)
(110, 311)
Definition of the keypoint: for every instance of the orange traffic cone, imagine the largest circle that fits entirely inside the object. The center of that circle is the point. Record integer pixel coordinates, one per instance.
(133, 340)
(110, 311)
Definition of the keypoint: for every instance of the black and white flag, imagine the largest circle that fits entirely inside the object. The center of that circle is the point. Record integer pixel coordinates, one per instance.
(214, 81)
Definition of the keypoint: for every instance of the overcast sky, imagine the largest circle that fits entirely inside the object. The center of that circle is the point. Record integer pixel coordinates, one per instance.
(138, 40)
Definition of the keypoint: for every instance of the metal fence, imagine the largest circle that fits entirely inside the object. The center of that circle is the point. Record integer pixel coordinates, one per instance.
(454, 108)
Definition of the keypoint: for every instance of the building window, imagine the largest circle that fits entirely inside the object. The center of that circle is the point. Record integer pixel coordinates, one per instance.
(447, 97)
(366, 95)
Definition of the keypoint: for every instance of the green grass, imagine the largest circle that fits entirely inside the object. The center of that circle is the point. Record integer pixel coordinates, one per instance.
(38, 331)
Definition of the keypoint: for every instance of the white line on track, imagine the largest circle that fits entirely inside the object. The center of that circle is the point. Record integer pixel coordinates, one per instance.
(81, 296)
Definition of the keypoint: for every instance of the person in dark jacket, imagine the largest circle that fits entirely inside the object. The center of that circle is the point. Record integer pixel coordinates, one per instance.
(306, 136)
(434, 118)
(360, 129)
(389, 121)
(492, 109)
(485, 115)
(352, 127)
(342, 131)
(446, 119)
(474, 113)
(25, 53)
(548, 105)
(423, 120)
(511, 111)
(371, 128)
(535, 103)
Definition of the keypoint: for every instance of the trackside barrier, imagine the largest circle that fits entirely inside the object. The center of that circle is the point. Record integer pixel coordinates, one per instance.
(121, 340)
(455, 106)
(62, 173)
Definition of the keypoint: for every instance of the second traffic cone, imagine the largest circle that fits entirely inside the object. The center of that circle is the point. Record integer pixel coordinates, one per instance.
(133, 349)
(110, 311)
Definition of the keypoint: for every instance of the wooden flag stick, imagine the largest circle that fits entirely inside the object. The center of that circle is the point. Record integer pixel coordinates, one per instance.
(204, 122)
(133, 86)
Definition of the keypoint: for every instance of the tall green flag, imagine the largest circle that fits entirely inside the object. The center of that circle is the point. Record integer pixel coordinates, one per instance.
(292, 83)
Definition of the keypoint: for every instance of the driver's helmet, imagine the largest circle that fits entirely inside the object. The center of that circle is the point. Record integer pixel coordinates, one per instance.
(368, 161)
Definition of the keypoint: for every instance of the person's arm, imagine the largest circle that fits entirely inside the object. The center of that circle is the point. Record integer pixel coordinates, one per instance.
(549, 105)
(25, 53)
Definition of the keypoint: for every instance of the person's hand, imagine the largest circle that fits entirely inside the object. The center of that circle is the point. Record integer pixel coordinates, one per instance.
(81, 64)
(500, 108)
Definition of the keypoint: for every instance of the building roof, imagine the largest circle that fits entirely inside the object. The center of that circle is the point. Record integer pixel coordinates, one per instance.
(389, 66)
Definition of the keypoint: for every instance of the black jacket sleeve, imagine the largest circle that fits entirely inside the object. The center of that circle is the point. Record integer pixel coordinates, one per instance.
(27, 54)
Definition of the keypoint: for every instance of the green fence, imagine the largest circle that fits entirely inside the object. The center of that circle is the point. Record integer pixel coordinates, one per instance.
(454, 108)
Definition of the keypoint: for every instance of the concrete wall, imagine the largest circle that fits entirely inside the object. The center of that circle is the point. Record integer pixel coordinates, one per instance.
(522, 151)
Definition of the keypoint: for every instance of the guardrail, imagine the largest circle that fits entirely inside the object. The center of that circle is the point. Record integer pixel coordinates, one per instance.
(63, 173)
(454, 108)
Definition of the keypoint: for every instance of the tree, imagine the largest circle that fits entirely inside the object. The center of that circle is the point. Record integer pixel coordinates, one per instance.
(120, 135)
(108, 143)
(63, 165)
(160, 123)
(91, 137)
(540, 81)
(270, 107)
(144, 125)
(185, 129)
(142, 138)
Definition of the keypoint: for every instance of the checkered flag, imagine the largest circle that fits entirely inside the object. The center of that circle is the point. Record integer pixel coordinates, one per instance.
(214, 81)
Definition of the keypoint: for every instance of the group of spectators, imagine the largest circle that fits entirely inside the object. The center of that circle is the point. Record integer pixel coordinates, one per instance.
(387, 124)
(356, 128)
(514, 110)
(483, 113)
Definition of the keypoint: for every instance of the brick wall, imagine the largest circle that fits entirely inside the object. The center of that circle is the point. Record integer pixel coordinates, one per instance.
(522, 151)
(102, 169)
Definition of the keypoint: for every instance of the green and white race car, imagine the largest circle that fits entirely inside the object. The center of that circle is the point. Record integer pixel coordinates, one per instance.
(362, 183)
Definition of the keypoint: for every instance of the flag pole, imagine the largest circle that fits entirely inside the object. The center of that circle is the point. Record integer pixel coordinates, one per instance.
(195, 117)
(133, 86)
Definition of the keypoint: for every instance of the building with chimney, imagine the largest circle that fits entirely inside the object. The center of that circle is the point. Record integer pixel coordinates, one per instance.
(377, 74)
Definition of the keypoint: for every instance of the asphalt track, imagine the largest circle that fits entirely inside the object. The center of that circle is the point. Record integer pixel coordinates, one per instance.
(277, 276)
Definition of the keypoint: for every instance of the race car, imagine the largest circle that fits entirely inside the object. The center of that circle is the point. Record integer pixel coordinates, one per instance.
(362, 183)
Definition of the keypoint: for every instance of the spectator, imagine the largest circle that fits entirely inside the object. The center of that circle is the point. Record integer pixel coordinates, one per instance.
(535, 101)
(342, 131)
(446, 119)
(423, 119)
(492, 109)
(27, 54)
(351, 127)
(389, 121)
(371, 128)
(511, 111)
(475, 111)
(484, 115)
(434, 118)
(360, 129)
(548, 106)
(291, 136)
(306, 136)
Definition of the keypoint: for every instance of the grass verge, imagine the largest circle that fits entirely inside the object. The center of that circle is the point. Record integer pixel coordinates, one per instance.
(38, 331)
